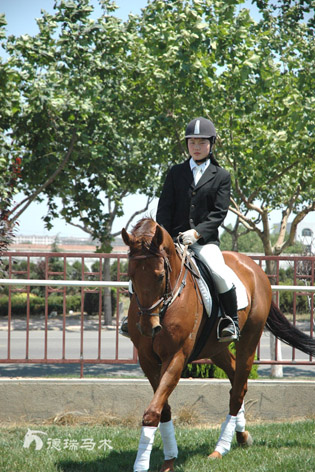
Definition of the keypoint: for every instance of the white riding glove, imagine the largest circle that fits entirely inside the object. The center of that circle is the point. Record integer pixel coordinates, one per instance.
(189, 237)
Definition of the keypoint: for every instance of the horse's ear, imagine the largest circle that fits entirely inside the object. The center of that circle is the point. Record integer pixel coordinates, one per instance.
(158, 236)
(127, 238)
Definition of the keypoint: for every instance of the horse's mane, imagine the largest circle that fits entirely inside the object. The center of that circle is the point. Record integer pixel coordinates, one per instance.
(145, 227)
(143, 233)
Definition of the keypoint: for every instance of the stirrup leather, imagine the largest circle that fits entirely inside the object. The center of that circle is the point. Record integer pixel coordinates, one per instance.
(231, 323)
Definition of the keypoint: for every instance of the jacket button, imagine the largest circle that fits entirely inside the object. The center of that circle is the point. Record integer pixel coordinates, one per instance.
(193, 193)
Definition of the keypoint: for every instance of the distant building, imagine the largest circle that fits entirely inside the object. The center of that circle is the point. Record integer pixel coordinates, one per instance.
(306, 234)
(39, 243)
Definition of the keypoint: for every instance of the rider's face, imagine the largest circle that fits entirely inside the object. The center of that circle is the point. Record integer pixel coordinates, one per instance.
(198, 148)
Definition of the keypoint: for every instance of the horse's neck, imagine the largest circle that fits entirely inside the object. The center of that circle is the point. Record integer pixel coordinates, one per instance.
(176, 259)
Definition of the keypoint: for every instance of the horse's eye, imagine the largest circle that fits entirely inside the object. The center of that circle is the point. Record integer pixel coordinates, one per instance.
(161, 276)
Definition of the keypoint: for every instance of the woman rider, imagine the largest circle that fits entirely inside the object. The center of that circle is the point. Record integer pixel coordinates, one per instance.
(193, 204)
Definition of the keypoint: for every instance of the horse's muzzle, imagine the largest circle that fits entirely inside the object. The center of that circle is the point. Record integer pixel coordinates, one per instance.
(149, 327)
(156, 330)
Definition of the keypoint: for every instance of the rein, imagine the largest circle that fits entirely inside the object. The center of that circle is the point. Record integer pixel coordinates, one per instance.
(170, 294)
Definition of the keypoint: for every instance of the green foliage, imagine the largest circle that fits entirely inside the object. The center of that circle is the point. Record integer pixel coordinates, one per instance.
(123, 270)
(37, 304)
(9, 175)
(18, 303)
(210, 371)
(250, 242)
(288, 298)
(98, 106)
(92, 302)
(198, 371)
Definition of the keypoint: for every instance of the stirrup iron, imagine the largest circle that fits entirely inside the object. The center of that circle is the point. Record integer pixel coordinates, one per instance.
(233, 332)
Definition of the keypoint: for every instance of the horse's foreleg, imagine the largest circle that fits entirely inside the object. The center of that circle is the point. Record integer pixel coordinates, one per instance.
(142, 461)
(157, 411)
(169, 445)
(170, 374)
(151, 369)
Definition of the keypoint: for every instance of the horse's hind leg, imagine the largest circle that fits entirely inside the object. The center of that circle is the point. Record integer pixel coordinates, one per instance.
(225, 360)
(238, 374)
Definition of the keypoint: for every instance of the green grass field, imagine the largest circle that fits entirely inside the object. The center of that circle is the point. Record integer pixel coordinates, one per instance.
(287, 447)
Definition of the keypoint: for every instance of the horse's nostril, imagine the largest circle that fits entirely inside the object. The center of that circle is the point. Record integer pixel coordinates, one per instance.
(156, 330)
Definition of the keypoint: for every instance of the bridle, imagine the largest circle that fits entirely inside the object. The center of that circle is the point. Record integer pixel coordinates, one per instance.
(169, 295)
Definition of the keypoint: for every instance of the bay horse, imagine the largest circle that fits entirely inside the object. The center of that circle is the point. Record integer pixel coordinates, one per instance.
(165, 320)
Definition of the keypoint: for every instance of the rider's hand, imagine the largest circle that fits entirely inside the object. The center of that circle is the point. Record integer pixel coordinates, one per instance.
(189, 237)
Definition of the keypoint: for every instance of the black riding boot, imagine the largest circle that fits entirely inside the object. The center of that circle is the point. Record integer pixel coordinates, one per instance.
(123, 330)
(228, 328)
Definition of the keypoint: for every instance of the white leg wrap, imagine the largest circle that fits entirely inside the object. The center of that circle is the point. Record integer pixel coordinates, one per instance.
(227, 431)
(142, 462)
(169, 441)
(240, 420)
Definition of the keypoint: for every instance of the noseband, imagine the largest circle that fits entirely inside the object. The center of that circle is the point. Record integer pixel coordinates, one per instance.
(169, 295)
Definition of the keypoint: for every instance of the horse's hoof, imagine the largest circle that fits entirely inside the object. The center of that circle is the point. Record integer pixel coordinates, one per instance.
(168, 466)
(244, 439)
(215, 455)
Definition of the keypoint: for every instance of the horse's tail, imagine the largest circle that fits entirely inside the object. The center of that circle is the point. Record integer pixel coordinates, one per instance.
(288, 333)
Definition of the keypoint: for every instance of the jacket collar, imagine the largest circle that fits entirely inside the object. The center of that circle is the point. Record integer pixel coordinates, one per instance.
(208, 175)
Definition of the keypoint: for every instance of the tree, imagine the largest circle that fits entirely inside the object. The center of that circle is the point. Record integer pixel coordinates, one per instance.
(71, 77)
(108, 101)
(255, 80)
(279, 131)
(72, 124)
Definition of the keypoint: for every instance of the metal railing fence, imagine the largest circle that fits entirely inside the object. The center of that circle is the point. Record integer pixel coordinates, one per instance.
(106, 346)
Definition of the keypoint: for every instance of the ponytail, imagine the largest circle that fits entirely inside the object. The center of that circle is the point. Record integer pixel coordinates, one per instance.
(213, 160)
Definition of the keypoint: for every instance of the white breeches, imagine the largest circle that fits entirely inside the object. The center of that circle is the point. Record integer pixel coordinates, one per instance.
(212, 256)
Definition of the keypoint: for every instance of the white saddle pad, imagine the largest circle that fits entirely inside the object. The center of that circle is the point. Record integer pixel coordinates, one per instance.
(241, 294)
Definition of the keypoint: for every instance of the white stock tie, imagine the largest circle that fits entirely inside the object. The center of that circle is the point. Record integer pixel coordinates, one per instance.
(198, 171)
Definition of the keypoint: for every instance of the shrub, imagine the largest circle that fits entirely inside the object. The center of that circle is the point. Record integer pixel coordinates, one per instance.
(211, 371)
(19, 304)
(91, 302)
(198, 371)
(4, 300)
(55, 303)
(37, 304)
(286, 300)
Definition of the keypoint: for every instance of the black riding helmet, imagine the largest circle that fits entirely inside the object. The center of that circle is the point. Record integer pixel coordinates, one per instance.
(202, 128)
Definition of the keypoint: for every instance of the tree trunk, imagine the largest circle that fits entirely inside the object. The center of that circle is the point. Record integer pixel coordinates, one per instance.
(276, 369)
(107, 302)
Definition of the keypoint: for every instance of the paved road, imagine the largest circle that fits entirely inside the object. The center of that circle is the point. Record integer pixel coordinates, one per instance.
(108, 340)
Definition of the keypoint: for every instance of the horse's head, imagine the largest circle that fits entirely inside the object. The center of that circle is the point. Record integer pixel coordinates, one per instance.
(149, 270)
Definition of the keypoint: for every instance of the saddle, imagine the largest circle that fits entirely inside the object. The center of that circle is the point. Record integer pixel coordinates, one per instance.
(211, 310)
